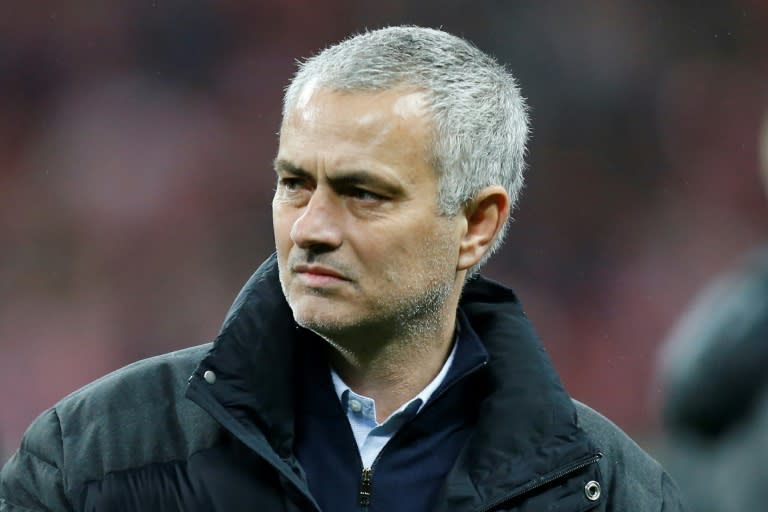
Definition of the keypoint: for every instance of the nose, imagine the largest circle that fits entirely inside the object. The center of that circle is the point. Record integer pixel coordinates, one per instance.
(318, 226)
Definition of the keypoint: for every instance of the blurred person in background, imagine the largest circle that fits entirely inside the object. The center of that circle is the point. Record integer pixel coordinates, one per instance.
(366, 365)
(715, 373)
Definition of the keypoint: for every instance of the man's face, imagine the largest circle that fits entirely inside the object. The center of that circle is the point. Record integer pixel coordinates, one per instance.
(362, 249)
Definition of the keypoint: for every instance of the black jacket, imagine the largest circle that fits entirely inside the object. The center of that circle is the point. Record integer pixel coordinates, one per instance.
(142, 439)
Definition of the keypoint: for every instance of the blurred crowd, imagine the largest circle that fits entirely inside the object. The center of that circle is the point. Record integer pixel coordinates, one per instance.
(136, 141)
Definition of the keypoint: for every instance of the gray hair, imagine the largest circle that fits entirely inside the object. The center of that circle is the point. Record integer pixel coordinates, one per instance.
(480, 119)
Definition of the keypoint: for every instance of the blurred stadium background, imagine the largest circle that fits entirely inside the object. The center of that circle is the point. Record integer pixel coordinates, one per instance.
(136, 140)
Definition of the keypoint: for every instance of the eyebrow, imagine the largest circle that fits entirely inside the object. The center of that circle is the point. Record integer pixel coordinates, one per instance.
(281, 165)
(345, 179)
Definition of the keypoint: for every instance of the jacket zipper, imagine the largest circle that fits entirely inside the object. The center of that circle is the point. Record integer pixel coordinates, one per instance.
(366, 478)
(366, 481)
(532, 486)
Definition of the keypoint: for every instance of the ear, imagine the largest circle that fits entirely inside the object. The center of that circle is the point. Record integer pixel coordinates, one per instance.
(485, 215)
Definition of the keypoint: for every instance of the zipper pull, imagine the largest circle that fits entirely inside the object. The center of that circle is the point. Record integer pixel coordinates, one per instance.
(365, 487)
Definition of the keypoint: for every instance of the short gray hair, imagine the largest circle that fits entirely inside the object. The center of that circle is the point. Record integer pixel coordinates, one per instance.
(479, 117)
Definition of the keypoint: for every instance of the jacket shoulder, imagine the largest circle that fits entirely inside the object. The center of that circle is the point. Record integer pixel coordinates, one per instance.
(632, 479)
(134, 416)
(162, 377)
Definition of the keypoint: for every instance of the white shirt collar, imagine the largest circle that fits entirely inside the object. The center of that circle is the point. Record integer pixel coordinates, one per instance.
(343, 392)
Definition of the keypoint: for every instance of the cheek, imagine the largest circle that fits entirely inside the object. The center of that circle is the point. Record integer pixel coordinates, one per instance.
(281, 225)
(421, 248)
(439, 248)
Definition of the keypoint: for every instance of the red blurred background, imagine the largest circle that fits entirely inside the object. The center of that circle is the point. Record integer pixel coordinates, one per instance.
(136, 140)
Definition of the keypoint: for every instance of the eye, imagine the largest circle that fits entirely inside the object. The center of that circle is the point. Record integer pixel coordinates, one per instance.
(365, 195)
(290, 183)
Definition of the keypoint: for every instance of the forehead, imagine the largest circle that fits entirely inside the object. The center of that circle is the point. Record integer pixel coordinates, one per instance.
(401, 101)
(392, 127)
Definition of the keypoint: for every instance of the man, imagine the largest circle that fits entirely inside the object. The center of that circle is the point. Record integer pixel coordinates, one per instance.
(365, 366)
(715, 401)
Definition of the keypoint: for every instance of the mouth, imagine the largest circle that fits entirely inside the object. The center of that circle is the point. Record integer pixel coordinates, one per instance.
(318, 275)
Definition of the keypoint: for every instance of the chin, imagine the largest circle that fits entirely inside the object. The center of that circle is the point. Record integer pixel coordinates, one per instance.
(323, 327)
(317, 315)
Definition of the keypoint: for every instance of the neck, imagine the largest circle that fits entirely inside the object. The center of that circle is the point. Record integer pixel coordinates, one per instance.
(395, 369)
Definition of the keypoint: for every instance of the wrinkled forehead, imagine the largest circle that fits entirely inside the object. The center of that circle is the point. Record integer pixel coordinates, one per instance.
(388, 129)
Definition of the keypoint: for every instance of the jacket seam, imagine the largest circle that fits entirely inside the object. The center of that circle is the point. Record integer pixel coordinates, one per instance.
(138, 467)
(37, 457)
(3, 501)
(61, 443)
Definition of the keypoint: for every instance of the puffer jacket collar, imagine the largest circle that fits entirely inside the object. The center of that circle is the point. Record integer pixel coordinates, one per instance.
(527, 431)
